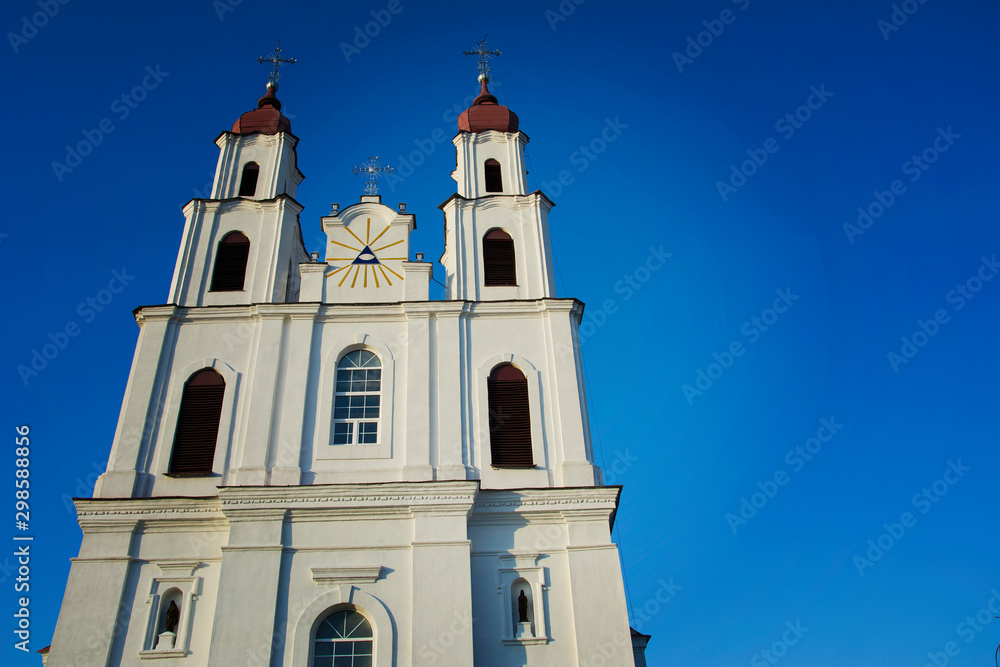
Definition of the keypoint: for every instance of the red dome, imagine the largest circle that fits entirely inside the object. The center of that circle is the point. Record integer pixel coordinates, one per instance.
(266, 118)
(486, 114)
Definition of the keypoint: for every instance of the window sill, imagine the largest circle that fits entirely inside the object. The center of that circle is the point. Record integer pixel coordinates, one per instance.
(167, 653)
(189, 474)
(526, 641)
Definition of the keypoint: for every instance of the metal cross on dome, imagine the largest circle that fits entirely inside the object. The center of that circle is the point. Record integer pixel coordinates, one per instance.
(371, 168)
(484, 57)
(276, 59)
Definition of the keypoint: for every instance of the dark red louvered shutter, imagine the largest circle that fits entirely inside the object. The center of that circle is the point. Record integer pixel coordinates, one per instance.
(498, 258)
(230, 263)
(510, 419)
(198, 424)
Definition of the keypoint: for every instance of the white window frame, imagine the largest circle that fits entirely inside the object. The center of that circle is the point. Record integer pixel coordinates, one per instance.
(325, 450)
(370, 638)
(355, 423)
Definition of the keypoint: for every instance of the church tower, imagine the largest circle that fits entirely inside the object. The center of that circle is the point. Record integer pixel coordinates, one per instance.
(316, 465)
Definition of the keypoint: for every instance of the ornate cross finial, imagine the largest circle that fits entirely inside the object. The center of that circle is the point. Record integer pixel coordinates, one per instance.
(272, 78)
(484, 58)
(372, 169)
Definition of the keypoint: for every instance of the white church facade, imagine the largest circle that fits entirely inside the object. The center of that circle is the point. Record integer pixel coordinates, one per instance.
(316, 465)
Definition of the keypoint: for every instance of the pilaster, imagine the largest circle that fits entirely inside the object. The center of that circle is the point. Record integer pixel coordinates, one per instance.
(250, 575)
(418, 390)
(450, 453)
(263, 380)
(137, 422)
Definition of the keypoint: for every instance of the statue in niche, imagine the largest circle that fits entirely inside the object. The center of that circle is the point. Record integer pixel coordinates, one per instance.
(522, 607)
(173, 616)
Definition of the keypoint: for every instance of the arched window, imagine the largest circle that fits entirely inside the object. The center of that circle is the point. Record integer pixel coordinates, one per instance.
(357, 400)
(510, 419)
(230, 263)
(494, 181)
(343, 639)
(198, 424)
(248, 182)
(498, 258)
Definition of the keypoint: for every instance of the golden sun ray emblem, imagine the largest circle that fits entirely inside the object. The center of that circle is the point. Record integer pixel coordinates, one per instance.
(365, 258)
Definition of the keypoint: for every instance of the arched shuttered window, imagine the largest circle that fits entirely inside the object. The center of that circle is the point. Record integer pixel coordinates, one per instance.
(494, 181)
(230, 263)
(510, 419)
(343, 639)
(248, 181)
(498, 258)
(198, 424)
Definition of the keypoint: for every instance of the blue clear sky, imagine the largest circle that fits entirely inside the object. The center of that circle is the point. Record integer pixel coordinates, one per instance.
(772, 234)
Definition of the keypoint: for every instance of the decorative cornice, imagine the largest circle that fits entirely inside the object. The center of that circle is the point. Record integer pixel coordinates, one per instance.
(345, 575)
(97, 513)
(174, 567)
(256, 137)
(519, 559)
(388, 497)
(347, 312)
(273, 205)
(489, 136)
(522, 307)
(598, 500)
(511, 202)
